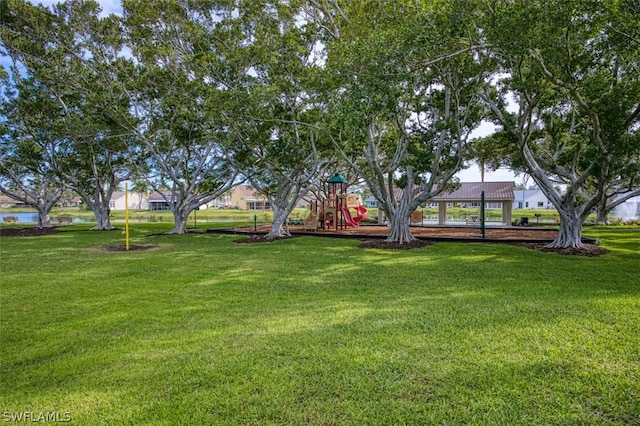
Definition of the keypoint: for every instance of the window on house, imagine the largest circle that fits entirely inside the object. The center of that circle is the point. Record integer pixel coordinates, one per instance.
(540, 203)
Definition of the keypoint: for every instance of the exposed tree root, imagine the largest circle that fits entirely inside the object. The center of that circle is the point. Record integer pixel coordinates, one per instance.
(260, 239)
(588, 250)
(393, 245)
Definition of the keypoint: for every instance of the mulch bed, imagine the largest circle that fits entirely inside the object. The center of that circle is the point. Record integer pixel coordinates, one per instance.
(423, 232)
(516, 236)
(26, 232)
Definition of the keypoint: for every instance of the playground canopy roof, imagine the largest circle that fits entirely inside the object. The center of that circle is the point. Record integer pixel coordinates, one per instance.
(471, 191)
(336, 178)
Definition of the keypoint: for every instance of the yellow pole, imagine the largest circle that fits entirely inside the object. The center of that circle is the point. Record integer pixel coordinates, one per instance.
(126, 215)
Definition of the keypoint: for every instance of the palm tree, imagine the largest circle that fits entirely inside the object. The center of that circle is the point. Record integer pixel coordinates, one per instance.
(140, 187)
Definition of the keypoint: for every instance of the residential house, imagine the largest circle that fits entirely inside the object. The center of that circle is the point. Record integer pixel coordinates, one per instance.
(136, 201)
(8, 202)
(72, 201)
(245, 197)
(530, 199)
(221, 202)
(371, 202)
(158, 201)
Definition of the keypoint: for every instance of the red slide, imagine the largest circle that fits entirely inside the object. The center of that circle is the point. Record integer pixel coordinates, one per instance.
(348, 220)
(362, 214)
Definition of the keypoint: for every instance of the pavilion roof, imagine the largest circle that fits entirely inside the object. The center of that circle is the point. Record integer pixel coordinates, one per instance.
(471, 191)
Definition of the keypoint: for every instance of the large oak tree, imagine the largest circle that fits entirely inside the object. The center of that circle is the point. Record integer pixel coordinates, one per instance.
(567, 91)
(67, 52)
(280, 144)
(404, 98)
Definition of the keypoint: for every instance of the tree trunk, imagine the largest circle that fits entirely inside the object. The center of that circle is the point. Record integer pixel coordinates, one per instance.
(44, 221)
(603, 216)
(98, 202)
(180, 216)
(399, 231)
(572, 211)
(185, 199)
(570, 232)
(602, 212)
(279, 228)
(103, 218)
(181, 203)
(44, 205)
(179, 223)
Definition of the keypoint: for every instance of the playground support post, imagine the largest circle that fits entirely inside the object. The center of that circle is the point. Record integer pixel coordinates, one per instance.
(482, 213)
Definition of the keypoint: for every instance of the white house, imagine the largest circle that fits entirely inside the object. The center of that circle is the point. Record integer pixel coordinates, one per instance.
(136, 201)
(222, 202)
(530, 199)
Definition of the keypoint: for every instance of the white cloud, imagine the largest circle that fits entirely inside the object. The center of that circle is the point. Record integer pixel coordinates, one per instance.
(472, 174)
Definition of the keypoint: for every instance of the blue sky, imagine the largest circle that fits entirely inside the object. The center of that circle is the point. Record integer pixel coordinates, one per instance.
(108, 6)
(472, 174)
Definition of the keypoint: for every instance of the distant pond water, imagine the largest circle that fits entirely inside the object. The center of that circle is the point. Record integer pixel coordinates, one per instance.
(30, 217)
(22, 217)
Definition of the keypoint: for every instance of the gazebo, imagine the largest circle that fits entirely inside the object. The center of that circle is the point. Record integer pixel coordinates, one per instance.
(471, 193)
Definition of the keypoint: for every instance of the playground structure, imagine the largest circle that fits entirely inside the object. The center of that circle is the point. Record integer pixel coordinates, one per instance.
(332, 213)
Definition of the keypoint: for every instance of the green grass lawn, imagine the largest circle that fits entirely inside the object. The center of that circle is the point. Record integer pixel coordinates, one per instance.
(201, 330)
